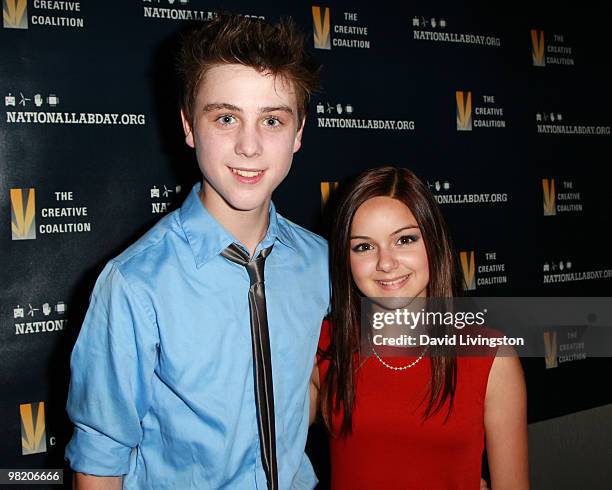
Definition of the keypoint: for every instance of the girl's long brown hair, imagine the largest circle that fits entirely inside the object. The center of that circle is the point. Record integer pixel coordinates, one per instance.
(338, 387)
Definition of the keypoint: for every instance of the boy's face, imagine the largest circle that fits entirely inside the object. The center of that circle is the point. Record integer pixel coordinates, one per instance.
(245, 131)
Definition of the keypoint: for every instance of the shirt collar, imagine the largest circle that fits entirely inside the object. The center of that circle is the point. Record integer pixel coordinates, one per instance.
(208, 238)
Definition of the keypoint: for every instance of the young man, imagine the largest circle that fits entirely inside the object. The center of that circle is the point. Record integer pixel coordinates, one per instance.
(171, 384)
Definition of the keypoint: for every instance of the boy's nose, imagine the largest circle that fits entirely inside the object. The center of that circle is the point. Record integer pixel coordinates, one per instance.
(248, 142)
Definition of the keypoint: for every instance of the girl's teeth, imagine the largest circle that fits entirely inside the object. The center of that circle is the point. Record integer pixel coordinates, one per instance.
(390, 283)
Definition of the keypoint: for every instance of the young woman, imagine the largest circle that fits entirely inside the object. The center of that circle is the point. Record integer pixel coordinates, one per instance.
(419, 421)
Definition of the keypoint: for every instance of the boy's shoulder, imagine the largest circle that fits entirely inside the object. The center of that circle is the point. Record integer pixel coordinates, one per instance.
(152, 247)
(301, 237)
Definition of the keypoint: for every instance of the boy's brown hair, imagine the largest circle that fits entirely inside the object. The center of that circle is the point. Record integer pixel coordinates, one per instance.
(277, 49)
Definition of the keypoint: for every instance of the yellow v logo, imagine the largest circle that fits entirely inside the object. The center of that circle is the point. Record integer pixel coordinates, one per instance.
(327, 188)
(550, 349)
(550, 197)
(468, 267)
(33, 432)
(23, 210)
(464, 110)
(14, 14)
(537, 48)
(321, 25)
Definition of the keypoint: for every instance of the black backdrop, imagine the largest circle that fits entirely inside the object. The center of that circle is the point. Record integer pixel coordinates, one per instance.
(77, 187)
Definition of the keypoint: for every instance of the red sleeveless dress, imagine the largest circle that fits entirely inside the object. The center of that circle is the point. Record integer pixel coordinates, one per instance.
(392, 446)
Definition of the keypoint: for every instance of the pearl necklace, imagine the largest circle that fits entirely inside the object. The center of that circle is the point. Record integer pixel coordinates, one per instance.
(398, 368)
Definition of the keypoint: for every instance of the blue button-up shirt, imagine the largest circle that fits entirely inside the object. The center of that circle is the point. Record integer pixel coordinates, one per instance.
(162, 388)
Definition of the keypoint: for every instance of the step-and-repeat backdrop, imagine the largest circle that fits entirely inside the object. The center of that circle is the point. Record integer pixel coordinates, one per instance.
(505, 113)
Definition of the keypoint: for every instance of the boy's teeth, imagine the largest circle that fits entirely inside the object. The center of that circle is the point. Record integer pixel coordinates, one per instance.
(245, 173)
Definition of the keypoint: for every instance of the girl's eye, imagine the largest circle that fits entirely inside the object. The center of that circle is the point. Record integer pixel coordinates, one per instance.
(361, 247)
(407, 239)
(272, 122)
(226, 119)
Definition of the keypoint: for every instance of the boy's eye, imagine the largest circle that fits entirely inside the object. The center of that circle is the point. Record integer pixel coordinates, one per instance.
(226, 119)
(407, 239)
(361, 247)
(272, 122)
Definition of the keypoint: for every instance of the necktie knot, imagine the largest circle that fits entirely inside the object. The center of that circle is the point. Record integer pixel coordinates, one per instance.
(254, 267)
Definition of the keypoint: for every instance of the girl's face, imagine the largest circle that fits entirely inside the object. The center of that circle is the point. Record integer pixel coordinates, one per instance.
(387, 251)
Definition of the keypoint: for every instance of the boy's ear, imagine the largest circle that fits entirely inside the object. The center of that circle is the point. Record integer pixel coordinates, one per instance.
(297, 142)
(188, 131)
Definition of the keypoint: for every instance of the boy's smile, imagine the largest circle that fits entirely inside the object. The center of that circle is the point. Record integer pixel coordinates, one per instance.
(247, 176)
(245, 131)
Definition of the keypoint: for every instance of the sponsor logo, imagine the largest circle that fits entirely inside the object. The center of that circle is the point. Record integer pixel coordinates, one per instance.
(437, 30)
(550, 199)
(347, 31)
(550, 349)
(62, 217)
(37, 100)
(343, 116)
(489, 272)
(537, 48)
(40, 318)
(560, 271)
(468, 267)
(486, 115)
(563, 345)
(46, 13)
(15, 14)
(39, 109)
(23, 214)
(557, 265)
(327, 189)
(464, 110)
(179, 10)
(555, 123)
(33, 432)
(320, 23)
(567, 200)
(161, 198)
(554, 52)
(444, 193)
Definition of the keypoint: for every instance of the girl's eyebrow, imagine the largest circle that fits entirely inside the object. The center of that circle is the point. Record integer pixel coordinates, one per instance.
(362, 237)
(408, 227)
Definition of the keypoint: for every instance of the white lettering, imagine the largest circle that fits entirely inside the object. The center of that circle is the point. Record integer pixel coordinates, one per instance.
(44, 20)
(52, 5)
(64, 228)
